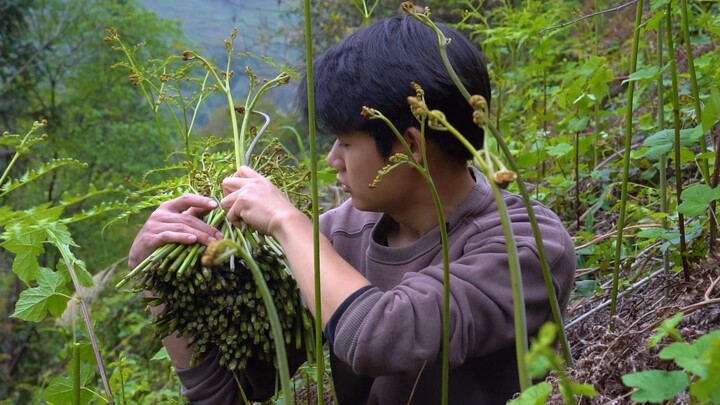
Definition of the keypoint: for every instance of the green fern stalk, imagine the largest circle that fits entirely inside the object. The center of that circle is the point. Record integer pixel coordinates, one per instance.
(663, 158)
(423, 169)
(552, 296)
(676, 123)
(319, 360)
(75, 366)
(626, 166)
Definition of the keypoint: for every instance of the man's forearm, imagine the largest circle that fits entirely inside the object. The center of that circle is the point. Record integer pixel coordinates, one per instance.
(338, 278)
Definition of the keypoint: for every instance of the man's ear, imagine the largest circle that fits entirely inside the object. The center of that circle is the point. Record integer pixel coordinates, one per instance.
(413, 137)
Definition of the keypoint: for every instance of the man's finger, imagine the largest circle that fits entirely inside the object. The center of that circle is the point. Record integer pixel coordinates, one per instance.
(187, 201)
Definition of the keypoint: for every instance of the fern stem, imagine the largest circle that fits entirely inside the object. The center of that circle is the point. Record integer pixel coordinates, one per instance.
(626, 167)
(676, 125)
(319, 361)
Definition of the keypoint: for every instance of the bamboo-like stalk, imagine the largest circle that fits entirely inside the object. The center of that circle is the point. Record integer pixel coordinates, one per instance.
(76, 373)
(423, 169)
(685, 28)
(676, 125)
(626, 165)
(552, 296)
(704, 167)
(319, 359)
(663, 158)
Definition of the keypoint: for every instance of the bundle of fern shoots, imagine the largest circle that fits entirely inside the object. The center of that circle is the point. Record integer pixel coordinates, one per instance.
(210, 294)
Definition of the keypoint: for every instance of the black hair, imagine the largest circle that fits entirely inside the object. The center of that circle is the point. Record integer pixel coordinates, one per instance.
(375, 67)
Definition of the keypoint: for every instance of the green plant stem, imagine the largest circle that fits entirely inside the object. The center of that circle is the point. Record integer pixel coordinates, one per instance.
(8, 168)
(76, 373)
(440, 214)
(275, 327)
(676, 123)
(319, 361)
(626, 166)
(663, 158)
(684, 26)
(552, 296)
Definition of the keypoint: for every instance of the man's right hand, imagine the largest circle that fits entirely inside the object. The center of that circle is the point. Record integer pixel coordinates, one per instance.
(176, 221)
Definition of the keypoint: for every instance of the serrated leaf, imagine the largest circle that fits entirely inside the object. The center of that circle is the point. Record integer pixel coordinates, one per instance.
(696, 198)
(684, 355)
(27, 248)
(656, 385)
(651, 73)
(58, 234)
(50, 295)
(60, 390)
(534, 395)
(707, 388)
(33, 174)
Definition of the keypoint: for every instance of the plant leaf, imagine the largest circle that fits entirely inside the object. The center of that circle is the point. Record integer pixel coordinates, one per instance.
(34, 303)
(60, 390)
(559, 150)
(26, 248)
(696, 198)
(706, 389)
(656, 385)
(651, 73)
(534, 395)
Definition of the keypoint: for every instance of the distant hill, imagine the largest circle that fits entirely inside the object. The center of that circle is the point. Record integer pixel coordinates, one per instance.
(206, 23)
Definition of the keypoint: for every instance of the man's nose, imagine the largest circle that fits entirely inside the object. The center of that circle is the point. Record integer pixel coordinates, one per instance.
(333, 159)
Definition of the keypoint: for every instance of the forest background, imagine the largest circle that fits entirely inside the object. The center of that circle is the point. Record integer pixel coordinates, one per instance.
(562, 87)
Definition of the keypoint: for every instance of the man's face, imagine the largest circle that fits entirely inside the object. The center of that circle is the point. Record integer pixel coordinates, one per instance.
(357, 162)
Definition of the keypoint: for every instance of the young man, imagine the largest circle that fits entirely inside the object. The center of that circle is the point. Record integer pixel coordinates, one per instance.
(380, 256)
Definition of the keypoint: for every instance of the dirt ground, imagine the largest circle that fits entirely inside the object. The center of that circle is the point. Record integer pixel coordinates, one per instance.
(602, 357)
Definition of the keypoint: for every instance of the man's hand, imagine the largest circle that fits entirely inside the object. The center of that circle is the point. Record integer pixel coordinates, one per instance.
(175, 221)
(253, 199)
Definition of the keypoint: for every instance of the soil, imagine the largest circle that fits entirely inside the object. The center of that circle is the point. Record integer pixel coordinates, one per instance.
(603, 356)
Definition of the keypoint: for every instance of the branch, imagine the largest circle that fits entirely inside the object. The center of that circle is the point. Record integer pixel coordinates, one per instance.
(585, 17)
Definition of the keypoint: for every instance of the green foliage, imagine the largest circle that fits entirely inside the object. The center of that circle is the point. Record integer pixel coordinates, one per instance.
(50, 295)
(542, 359)
(655, 385)
(699, 361)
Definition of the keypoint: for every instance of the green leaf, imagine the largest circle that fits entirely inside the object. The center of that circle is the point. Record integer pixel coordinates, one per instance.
(578, 124)
(668, 327)
(58, 234)
(26, 248)
(559, 150)
(656, 385)
(711, 111)
(684, 355)
(583, 389)
(707, 389)
(654, 233)
(534, 395)
(696, 198)
(60, 390)
(662, 142)
(49, 295)
(651, 73)
(655, 4)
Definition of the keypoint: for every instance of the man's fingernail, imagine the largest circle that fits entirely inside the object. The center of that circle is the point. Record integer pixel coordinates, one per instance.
(212, 203)
(218, 236)
(211, 239)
